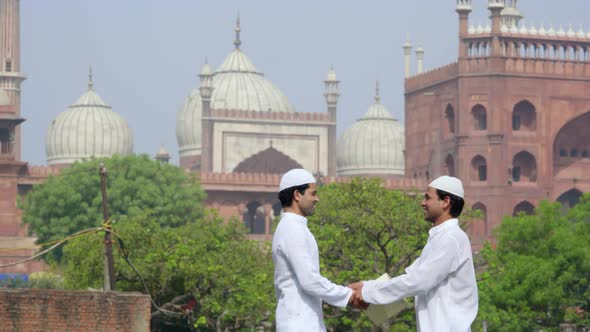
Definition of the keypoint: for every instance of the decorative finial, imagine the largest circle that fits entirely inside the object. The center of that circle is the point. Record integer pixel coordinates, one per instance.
(377, 97)
(237, 42)
(90, 83)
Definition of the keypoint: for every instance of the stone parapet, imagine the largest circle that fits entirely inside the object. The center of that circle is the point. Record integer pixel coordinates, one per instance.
(432, 77)
(225, 114)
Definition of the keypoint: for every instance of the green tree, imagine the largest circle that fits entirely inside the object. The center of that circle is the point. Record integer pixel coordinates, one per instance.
(538, 274)
(206, 270)
(364, 230)
(71, 201)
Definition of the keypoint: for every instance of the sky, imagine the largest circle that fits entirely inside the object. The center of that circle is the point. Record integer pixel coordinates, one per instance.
(146, 54)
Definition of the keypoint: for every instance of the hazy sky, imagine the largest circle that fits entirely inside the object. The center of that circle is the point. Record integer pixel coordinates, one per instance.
(146, 54)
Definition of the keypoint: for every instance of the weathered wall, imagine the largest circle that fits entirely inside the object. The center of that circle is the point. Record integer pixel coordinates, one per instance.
(26, 310)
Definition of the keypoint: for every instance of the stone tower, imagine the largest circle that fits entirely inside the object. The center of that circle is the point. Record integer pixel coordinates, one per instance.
(510, 118)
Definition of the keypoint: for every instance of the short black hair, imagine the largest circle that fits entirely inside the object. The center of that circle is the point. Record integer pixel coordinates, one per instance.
(457, 202)
(286, 195)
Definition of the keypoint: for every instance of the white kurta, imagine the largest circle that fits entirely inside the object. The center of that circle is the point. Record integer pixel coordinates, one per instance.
(442, 279)
(299, 286)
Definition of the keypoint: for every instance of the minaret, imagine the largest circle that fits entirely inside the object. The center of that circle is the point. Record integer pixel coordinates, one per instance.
(420, 60)
(163, 156)
(407, 58)
(510, 16)
(331, 93)
(206, 90)
(10, 79)
(496, 7)
(463, 10)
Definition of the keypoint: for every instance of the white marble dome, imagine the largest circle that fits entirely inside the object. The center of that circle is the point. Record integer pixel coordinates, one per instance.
(237, 85)
(88, 128)
(373, 145)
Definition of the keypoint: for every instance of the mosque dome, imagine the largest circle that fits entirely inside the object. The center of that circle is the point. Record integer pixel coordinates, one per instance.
(88, 128)
(373, 145)
(237, 85)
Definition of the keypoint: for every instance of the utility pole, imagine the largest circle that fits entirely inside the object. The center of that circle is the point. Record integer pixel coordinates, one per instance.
(109, 268)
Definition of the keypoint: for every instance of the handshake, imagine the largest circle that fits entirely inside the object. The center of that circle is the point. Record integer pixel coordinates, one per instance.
(356, 299)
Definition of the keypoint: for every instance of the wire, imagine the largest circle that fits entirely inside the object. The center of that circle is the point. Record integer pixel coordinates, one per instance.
(57, 244)
(106, 227)
(125, 253)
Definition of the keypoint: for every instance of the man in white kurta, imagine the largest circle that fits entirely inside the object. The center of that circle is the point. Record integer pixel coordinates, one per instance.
(442, 279)
(299, 286)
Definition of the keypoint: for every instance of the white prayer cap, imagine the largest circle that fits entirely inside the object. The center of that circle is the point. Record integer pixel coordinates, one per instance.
(295, 177)
(449, 184)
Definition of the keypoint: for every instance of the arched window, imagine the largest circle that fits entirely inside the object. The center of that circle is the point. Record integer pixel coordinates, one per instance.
(479, 170)
(450, 116)
(254, 218)
(450, 165)
(479, 117)
(524, 207)
(524, 117)
(524, 167)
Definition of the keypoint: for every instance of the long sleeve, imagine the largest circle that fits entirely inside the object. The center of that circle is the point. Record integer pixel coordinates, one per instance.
(435, 264)
(301, 251)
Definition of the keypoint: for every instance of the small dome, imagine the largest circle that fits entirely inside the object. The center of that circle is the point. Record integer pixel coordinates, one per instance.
(4, 98)
(88, 128)
(373, 145)
(206, 69)
(188, 125)
(331, 76)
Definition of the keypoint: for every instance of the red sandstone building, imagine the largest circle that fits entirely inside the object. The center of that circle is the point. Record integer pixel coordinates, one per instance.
(511, 117)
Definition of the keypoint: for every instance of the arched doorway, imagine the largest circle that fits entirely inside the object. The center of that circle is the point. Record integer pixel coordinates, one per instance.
(479, 227)
(479, 114)
(479, 170)
(524, 117)
(523, 207)
(524, 167)
(450, 117)
(570, 198)
(572, 144)
(254, 218)
(450, 165)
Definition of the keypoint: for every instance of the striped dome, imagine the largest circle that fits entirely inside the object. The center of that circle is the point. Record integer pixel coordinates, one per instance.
(373, 145)
(88, 128)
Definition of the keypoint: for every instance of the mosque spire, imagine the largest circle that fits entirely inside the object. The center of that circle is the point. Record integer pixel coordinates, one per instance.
(90, 83)
(237, 42)
(377, 96)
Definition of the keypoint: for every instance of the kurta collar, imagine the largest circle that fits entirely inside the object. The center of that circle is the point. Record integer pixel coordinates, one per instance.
(296, 217)
(442, 227)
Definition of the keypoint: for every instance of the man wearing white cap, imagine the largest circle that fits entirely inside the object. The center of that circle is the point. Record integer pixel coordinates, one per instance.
(299, 286)
(442, 279)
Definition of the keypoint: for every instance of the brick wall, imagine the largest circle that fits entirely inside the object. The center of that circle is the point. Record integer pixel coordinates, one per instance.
(25, 310)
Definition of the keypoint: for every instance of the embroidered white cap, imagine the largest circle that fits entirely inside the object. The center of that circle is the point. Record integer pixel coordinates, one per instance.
(449, 184)
(295, 177)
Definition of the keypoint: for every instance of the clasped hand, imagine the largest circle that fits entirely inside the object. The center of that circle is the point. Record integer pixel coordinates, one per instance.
(356, 300)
